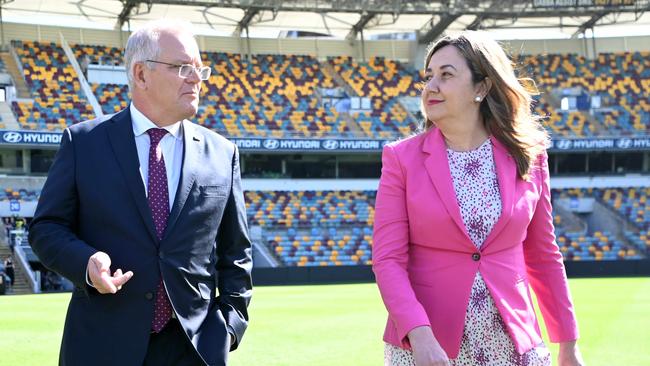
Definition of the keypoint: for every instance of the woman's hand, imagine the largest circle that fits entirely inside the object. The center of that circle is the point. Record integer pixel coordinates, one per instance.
(569, 355)
(426, 349)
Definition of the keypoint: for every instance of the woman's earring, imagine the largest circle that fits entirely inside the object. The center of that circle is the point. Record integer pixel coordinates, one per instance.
(477, 99)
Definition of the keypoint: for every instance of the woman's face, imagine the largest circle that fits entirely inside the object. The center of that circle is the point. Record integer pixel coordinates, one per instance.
(448, 93)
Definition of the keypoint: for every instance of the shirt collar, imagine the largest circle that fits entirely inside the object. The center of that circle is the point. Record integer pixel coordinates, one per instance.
(141, 124)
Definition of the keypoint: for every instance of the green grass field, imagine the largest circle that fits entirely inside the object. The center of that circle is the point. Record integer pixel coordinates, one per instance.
(342, 325)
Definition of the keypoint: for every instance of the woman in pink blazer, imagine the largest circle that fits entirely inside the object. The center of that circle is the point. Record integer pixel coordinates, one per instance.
(463, 222)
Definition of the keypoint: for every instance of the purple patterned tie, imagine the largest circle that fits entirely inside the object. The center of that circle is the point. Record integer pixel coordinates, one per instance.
(159, 204)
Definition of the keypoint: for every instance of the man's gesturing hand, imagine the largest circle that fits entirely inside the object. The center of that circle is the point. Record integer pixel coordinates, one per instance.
(99, 273)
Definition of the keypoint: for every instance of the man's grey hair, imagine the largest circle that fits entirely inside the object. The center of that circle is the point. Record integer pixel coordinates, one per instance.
(143, 45)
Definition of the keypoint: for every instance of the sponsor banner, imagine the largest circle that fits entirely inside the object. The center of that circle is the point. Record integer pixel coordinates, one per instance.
(557, 145)
(600, 144)
(271, 144)
(30, 138)
(52, 139)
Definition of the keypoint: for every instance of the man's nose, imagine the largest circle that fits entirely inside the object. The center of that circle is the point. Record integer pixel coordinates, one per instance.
(194, 76)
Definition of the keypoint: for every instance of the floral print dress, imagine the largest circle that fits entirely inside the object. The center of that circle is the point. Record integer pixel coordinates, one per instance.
(485, 338)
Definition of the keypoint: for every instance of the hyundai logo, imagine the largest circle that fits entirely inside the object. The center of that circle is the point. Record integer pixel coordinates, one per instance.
(330, 144)
(624, 143)
(12, 137)
(564, 144)
(271, 144)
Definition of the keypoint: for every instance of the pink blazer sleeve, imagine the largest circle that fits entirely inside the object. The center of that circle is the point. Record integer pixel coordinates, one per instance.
(390, 249)
(545, 267)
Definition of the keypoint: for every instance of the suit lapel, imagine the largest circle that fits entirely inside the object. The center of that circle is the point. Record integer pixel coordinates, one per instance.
(437, 166)
(120, 134)
(192, 149)
(507, 177)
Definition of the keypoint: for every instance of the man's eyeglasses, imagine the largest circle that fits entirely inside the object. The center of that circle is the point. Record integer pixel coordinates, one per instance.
(186, 70)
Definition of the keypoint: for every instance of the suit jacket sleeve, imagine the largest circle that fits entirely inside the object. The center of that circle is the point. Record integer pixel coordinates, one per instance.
(545, 266)
(390, 249)
(52, 231)
(234, 264)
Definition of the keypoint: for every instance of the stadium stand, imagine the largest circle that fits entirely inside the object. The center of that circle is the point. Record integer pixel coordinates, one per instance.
(99, 55)
(311, 228)
(111, 97)
(21, 194)
(315, 228)
(617, 79)
(603, 245)
(334, 246)
(268, 95)
(384, 81)
(277, 95)
(330, 228)
(311, 208)
(631, 203)
(58, 101)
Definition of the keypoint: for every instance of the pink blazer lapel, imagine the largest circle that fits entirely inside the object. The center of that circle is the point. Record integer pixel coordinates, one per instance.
(507, 177)
(437, 166)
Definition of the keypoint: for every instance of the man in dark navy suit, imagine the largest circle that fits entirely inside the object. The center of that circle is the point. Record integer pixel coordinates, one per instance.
(144, 212)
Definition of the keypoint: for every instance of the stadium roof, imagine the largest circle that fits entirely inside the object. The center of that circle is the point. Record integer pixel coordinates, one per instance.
(348, 18)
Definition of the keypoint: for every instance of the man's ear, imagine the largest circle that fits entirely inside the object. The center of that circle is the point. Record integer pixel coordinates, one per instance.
(139, 75)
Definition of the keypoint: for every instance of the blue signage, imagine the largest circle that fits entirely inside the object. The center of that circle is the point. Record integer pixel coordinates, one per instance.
(30, 138)
(600, 144)
(258, 144)
(272, 144)
(14, 206)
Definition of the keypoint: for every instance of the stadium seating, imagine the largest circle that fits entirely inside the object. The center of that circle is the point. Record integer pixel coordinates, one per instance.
(619, 79)
(641, 240)
(268, 95)
(58, 101)
(383, 81)
(112, 97)
(99, 55)
(379, 77)
(599, 245)
(594, 246)
(322, 246)
(307, 228)
(277, 95)
(7, 194)
(311, 208)
(330, 228)
(311, 228)
(631, 203)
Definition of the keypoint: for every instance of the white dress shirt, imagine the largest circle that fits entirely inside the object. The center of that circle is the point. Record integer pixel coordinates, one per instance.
(172, 150)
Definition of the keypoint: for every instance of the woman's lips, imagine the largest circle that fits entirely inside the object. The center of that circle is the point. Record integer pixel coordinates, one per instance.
(433, 101)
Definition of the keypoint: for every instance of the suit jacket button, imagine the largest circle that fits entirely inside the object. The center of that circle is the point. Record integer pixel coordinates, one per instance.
(161, 255)
(148, 295)
(476, 256)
